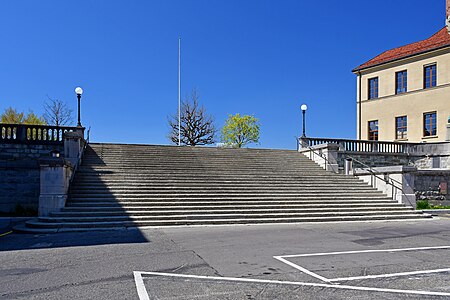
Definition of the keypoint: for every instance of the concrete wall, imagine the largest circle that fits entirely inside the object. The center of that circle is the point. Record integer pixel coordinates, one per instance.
(413, 103)
(20, 174)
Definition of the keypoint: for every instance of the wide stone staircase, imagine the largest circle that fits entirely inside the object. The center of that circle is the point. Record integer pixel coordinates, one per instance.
(120, 186)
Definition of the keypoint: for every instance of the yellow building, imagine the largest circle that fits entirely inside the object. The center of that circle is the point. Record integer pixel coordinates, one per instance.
(403, 94)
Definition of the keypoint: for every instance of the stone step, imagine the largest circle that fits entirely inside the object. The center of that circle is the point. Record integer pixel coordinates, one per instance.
(249, 210)
(186, 158)
(203, 159)
(123, 224)
(207, 202)
(211, 185)
(204, 216)
(201, 171)
(211, 197)
(213, 179)
(217, 189)
(170, 209)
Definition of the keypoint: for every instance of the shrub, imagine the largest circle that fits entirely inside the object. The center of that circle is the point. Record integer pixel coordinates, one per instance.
(422, 204)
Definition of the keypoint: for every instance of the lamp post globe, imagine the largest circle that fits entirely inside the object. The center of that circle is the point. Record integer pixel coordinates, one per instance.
(79, 92)
(303, 108)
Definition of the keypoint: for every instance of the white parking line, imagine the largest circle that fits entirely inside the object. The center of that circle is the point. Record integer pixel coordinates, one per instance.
(140, 286)
(144, 296)
(389, 275)
(280, 258)
(283, 259)
(366, 251)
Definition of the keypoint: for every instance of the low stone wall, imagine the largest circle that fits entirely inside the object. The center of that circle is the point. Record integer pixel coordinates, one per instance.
(20, 175)
(429, 184)
(374, 159)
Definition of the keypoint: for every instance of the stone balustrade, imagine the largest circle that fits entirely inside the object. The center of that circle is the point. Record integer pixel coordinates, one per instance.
(33, 134)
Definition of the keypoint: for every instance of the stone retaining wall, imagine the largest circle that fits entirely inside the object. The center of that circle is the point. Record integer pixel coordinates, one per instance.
(375, 159)
(427, 184)
(20, 174)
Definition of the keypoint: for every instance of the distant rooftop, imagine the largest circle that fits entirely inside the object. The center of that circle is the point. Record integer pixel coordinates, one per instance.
(438, 40)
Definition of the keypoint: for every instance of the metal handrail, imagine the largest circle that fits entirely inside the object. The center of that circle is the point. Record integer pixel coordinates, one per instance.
(369, 169)
(80, 156)
(372, 172)
(318, 153)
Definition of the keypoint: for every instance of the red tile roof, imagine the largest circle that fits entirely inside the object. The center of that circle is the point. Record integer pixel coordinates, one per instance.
(437, 40)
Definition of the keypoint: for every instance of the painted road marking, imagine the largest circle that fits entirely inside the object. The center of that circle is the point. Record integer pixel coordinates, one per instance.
(140, 286)
(6, 233)
(391, 275)
(143, 295)
(306, 271)
(283, 259)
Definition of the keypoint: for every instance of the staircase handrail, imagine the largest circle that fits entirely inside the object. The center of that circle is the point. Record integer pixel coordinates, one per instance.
(80, 156)
(372, 172)
(318, 153)
(368, 168)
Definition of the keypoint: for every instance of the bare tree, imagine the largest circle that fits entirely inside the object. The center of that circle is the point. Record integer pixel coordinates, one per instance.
(197, 126)
(57, 112)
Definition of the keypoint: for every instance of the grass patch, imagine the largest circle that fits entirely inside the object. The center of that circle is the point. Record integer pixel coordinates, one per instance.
(440, 206)
(423, 204)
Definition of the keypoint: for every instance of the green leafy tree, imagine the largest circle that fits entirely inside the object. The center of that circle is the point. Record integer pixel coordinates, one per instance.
(12, 116)
(240, 130)
(33, 119)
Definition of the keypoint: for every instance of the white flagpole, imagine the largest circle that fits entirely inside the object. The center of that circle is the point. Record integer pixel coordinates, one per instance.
(179, 100)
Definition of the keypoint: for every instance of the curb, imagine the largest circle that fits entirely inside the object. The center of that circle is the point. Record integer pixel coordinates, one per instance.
(436, 212)
(9, 222)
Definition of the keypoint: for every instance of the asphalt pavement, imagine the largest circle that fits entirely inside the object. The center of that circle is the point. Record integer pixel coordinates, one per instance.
(373, 260)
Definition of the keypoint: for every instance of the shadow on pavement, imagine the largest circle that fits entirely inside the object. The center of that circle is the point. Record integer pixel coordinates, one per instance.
(17, 241)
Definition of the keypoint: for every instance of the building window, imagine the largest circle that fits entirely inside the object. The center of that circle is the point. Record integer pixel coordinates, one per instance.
(401, 127)
(373, 130)
(429, 76)
(373, 88)
(401, 82)
(429, 124)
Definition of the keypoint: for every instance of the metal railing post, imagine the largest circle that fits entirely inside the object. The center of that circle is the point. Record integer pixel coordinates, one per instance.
(348, 168)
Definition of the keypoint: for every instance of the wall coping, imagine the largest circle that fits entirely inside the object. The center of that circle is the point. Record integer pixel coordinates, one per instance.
(54, 162)
(385, 170)
(433, 171)
(330, 146)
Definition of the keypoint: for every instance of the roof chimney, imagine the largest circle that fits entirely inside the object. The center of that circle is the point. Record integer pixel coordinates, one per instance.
(447, 15)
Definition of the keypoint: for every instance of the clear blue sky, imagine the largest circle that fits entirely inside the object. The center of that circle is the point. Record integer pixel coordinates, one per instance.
(257, 57)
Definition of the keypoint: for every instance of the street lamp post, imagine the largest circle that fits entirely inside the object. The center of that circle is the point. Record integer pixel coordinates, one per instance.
(79, 92)
(303, 108)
